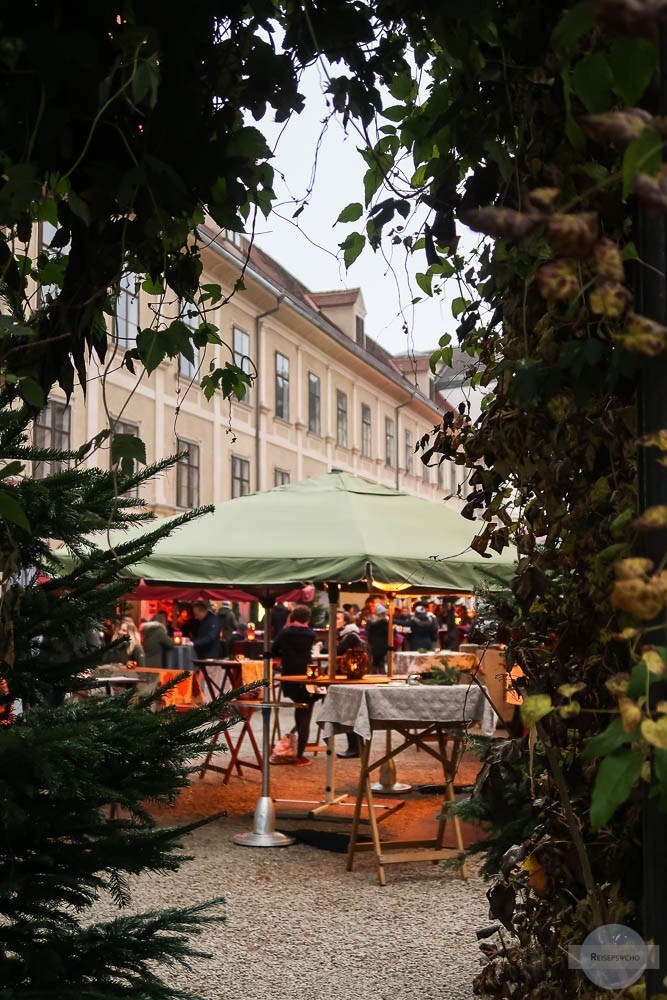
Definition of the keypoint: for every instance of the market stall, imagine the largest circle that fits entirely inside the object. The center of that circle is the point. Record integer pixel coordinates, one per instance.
(336, 529)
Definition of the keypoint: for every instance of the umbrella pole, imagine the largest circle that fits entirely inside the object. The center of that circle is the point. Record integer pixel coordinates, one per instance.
(264, 833)
(388, 785)
(333, 590)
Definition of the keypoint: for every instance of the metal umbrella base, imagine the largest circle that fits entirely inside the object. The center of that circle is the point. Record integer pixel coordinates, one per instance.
(264, 833)
(387, 785)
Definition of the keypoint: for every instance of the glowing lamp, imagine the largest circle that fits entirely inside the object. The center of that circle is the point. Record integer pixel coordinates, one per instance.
(250, 632)
(178, 637)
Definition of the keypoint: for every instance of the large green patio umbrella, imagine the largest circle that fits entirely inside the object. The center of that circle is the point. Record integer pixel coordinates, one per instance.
(334, 528)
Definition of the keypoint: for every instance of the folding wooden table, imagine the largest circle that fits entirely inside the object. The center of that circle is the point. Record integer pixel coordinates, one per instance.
(319, 808)
(417, 714)
(229, 678)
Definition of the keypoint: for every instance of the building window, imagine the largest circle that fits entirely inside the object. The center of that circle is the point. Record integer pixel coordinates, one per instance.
(408, 452)
(453, 485)
(189, 369)
(125, 427)
(440, 475)
(52, 430)
(235, 238)
(127, 312)
(366, 431)
(426, 473)
(360, 331)
(282, 386)
(281, 477)
(341, 419)
(389, 441)
(240, 477)
(314, 408)
(241, 348)
(187, 474)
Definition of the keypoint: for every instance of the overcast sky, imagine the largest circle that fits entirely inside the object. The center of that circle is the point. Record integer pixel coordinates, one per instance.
(308, 246)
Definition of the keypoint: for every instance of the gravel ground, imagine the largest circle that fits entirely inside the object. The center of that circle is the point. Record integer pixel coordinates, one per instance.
(297, 925)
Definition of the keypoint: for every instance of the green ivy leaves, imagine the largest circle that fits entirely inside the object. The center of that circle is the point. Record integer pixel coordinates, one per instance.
(615, 779)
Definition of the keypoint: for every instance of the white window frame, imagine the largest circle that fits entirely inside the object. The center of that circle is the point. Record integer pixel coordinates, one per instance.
(192, 489)
(366, 431)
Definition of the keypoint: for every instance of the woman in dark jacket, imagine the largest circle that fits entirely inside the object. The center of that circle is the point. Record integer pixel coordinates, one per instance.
(293, 645)
(377, 633)
(424, 630)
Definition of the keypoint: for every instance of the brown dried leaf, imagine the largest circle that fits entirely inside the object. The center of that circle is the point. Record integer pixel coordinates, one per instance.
(637, 598)
(655, 440)
(573, 235)
(655, 733)
(653, 190)
(618, 684)
(558, 281)
(610, 299)
(643, 336)
(479, 545)
(503, 223)
(541, 199)
(631, 713)
(608, 261)
(653, 518)
(654, 662)
(616, 126)
(629, 569)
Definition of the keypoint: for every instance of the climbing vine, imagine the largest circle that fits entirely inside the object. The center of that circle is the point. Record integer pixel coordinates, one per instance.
(538, 129)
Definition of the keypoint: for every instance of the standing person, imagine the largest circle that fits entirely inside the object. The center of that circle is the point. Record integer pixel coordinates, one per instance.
(424, 630)
(293, 646)
(349, 638)
(206, 635)
(228, 625)
(185, 621)
(452, 638)
(278, 618)
(156, 640)
(377, 633)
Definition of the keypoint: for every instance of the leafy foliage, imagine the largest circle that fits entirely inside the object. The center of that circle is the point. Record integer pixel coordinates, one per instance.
(77, 769)
(123, 136)
(534, 126)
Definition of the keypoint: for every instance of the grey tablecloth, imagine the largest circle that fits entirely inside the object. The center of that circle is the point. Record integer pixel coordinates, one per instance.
(179, 658)
(362, 708)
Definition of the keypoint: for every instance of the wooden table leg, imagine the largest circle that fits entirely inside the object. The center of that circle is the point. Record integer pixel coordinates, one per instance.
(375, 830)
(236, 748)
(207, 761)
(449, 762)
(356, 816)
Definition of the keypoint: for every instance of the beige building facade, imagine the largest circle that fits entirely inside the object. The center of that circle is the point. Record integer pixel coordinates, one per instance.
(325, 395)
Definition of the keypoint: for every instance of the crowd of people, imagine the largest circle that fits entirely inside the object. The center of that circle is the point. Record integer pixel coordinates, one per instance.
(424, 626)
(357, 628)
